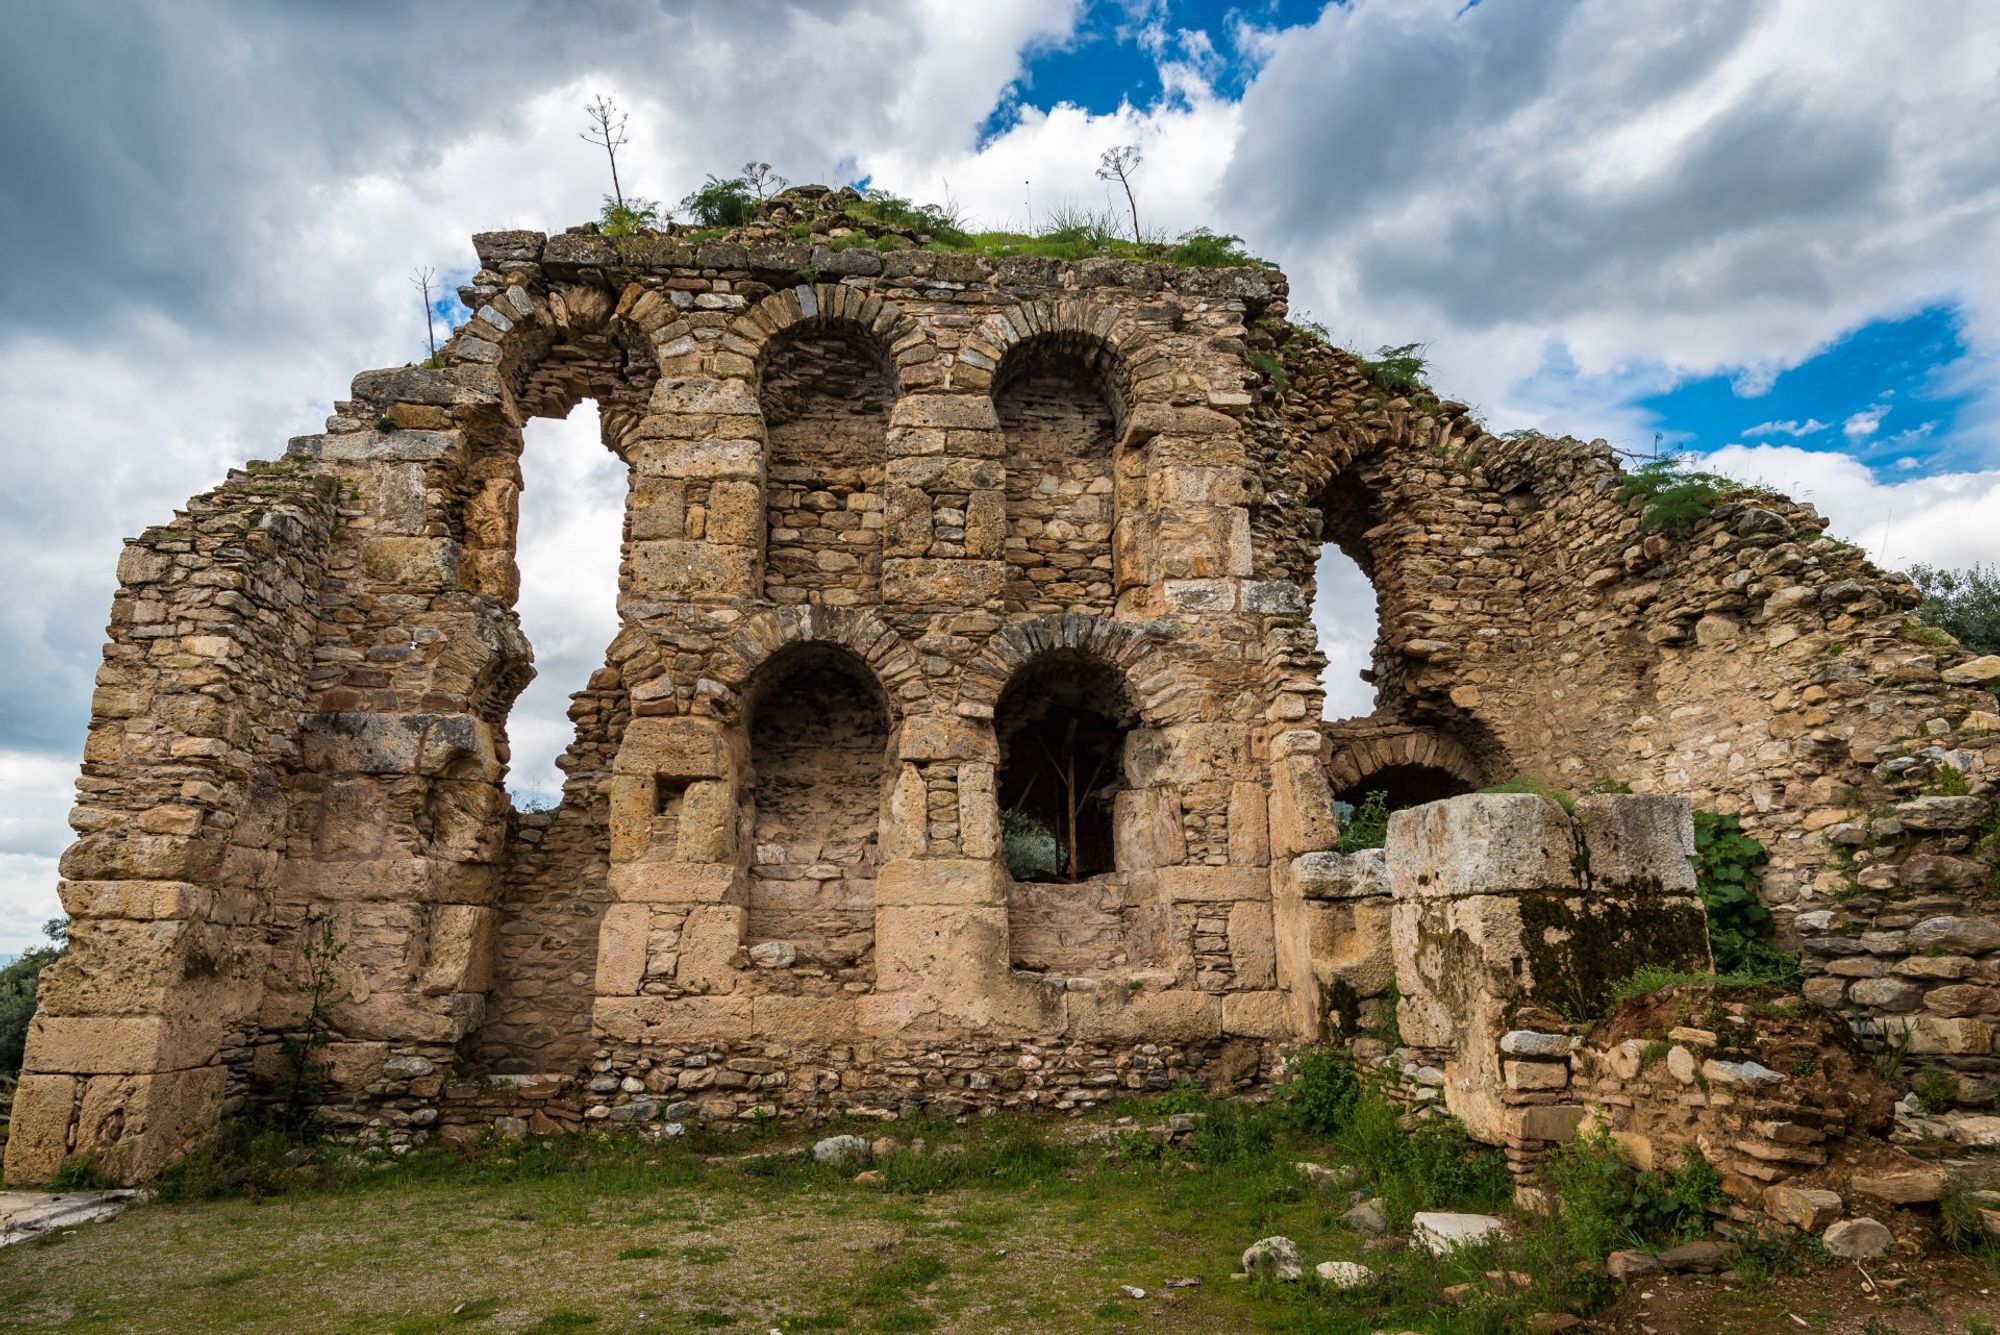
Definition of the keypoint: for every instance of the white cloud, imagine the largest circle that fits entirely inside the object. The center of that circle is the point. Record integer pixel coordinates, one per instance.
(1944, 519)
(1860, 426)
(1789, 427)
(1575, 206)
(35, 793)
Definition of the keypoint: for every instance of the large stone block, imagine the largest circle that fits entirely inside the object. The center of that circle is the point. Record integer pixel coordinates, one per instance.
(1146, 829)
(417, 565)
(1252, 946)
(1481, 844)
(711, 940)
(138, 1124)
(140, 900)
(708, 822)
(621, 949)
(802, 1020)
(38, 1135)
(1112, 1012)
(1637, 844)
(460, 958)
(677, 883)
(941, 582)
(957, 882)
(1258, 1015)
(1213, 885)
(685, 569)
(114, 1045)
(978, 811)
(678, 747)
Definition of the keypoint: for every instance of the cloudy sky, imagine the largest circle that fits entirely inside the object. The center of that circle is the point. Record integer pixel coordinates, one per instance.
(1764, 232)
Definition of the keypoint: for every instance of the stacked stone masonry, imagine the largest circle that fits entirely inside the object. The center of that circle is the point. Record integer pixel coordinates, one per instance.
(870, 490)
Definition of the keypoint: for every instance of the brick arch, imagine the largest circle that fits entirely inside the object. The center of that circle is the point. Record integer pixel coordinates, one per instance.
(1156, 694)
(765, 327)
(859, 631)
(1356, 759)
(1100, 334)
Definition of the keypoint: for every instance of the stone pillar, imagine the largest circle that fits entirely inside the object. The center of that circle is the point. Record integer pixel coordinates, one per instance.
(1512, 916)
(946, 523)
(668, 944)
(696, 521)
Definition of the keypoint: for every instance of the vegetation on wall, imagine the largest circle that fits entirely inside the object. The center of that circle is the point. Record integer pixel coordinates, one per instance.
(1726, 863)
(721, 202)
(1366, 826)
(1964, 604)
(1397, 370)
(1673, 498)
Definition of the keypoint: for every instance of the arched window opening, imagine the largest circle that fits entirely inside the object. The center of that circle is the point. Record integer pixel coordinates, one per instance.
(1055, 407)
(1403, 786)
(819, 759)
(1061, 724)
(826, 396)
(1345, 617)
(572, 510)
(1345, 610)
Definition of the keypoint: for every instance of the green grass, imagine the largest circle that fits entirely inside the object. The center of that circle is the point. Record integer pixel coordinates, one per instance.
(1006, 1224)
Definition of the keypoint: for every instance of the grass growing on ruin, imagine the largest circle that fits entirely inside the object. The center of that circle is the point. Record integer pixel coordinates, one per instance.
(1001, 1224)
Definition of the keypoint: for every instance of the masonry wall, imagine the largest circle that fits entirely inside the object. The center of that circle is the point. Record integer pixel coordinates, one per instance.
(943, 474)
(1530, 626)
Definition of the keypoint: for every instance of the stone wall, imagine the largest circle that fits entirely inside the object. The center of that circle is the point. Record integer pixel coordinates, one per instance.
(1530, 625)
(948, 475)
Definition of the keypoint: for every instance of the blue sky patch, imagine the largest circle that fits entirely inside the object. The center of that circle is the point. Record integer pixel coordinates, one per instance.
(1115, 53)
(1878, 393)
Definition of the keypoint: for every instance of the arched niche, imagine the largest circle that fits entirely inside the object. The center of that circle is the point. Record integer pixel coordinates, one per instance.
(1073, 829)
(825, 390)
(1060, 409)
(819, 729)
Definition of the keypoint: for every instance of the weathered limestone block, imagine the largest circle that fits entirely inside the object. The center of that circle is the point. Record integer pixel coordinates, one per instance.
(461, 950)
(953, 882)
(622, 936)
(1146, 828)
(1494, 912)
(44, 1113)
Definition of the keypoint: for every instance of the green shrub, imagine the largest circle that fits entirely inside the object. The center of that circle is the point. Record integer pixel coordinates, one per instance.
(1433, 1167)
(1726, 862)
(1936, 1090)
(1367, 826)
(633, 217)
(1673, 499)
(1269, 367)
(1323, 1089)
(721, 202)
(1231, 1132)
(1606, 1203)
(1960, 1222)
(1397, 370)
(1204, 249)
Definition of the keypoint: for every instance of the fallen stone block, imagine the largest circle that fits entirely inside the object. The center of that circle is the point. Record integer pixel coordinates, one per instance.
(1441, 1232)
(1274, 1257)
(1858, 1239)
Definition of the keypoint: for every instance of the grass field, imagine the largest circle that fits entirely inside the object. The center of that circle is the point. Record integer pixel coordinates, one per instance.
(999, 1226)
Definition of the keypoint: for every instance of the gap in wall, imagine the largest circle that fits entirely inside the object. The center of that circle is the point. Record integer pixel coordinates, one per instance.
(572, 519)
(1344, 614)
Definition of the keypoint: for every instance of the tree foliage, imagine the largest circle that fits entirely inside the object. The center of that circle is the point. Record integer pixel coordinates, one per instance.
(1964, 604)
(19, 982)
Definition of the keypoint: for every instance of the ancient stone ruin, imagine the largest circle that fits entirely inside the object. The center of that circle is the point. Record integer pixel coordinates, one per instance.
(923, 549)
